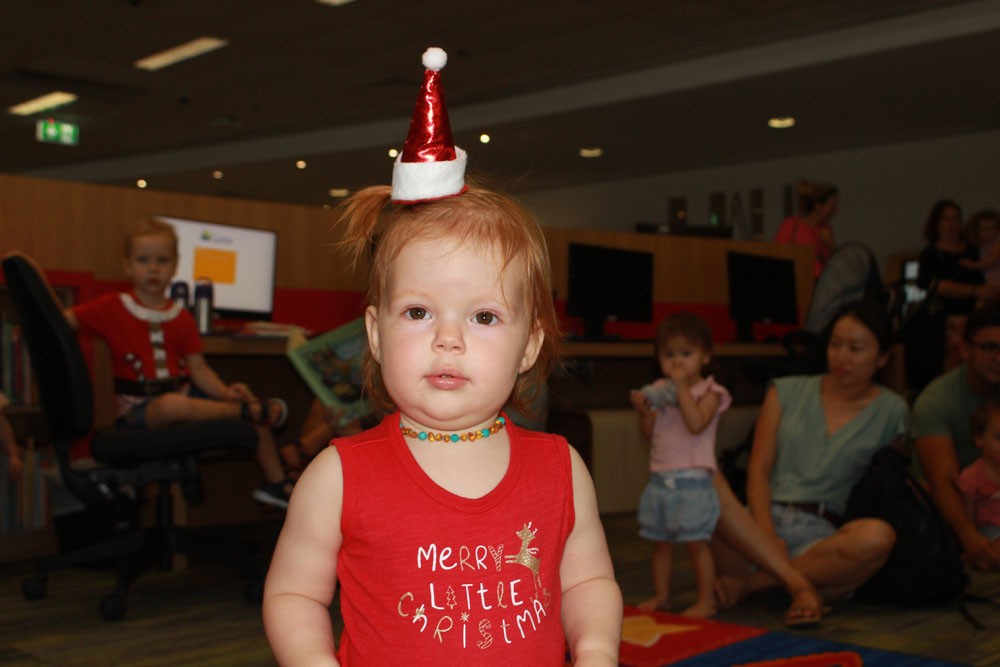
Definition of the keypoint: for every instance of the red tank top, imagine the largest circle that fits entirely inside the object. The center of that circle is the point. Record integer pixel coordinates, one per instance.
(431, 578)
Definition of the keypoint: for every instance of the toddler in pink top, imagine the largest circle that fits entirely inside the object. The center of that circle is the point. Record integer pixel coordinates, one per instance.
(980, 482)
(679, 416)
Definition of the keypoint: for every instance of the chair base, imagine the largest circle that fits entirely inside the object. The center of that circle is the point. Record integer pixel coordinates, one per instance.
(137, 549)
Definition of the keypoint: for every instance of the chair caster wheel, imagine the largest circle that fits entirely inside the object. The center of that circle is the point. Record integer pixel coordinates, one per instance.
(113, 607)
(34, 587)
(255, 592)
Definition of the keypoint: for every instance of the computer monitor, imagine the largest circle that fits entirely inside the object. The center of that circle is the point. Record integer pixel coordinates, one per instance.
(761, 289)
(240, 261)
(609, 283)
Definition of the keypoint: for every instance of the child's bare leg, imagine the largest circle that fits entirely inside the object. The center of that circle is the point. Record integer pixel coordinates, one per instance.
(663, 561)
(704, 575)
(267, 457)
(171, 408)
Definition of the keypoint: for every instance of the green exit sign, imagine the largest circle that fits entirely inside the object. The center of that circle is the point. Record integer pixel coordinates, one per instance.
(55, 132)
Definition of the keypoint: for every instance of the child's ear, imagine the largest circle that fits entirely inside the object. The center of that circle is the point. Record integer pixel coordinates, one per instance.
(531, 350)
(126, 266)
(371, 324)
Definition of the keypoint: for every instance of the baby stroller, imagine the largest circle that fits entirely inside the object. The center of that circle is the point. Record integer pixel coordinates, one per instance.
(850, 274)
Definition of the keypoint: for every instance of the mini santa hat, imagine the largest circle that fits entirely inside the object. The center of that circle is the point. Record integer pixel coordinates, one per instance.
(431, 166)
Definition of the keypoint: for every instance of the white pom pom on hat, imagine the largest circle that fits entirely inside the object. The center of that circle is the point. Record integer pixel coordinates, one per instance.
(430, 165)
(434, 59)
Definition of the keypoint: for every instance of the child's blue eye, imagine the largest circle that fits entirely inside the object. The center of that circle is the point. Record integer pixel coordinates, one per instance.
(416, 313)
(485, 318)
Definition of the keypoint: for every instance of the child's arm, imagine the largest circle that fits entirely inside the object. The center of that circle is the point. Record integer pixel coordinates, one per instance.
(74, 324)
(209, 382)
(647, 416)
(591, 599)
(302, 577)
(698, 414)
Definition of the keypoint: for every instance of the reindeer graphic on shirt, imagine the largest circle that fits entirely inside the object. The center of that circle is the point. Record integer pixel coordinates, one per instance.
(527, 556)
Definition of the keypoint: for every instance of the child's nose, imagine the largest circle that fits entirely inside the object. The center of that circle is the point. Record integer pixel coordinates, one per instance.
(448, 337)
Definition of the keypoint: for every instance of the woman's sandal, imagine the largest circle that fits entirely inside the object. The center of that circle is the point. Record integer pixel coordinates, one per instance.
(263, 418)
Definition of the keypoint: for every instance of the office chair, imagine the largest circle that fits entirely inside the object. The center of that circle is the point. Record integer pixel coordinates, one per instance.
(127, 460)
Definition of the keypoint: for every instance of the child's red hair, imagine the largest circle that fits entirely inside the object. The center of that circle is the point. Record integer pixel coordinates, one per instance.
(375, 232)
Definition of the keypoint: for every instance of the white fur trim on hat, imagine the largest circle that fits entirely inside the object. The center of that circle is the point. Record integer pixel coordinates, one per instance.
(419, 181)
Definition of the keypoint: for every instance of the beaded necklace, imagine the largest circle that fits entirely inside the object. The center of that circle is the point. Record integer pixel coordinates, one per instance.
(453, 437)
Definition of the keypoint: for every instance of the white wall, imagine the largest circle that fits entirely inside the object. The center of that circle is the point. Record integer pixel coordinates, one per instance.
(885, 191)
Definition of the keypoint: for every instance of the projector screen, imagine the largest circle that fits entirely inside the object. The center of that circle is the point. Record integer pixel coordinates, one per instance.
(240, 261)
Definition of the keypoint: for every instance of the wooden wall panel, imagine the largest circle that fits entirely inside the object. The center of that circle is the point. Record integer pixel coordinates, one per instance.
(76, 226)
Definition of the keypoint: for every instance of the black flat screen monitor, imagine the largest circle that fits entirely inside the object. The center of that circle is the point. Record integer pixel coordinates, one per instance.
(609, 283)
(240, 262)
(761, 289)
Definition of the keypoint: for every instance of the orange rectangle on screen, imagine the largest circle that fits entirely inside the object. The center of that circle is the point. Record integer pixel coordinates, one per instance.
(219, 266)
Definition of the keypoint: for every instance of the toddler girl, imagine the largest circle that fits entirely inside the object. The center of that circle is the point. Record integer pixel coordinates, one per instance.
(457, 537)
(679, 416)
(980, 482)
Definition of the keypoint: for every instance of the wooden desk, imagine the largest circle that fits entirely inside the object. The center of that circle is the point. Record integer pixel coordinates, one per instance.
(260, 361)
(219, 345)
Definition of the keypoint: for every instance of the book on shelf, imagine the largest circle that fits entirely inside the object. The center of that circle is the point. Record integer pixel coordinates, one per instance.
(331, 365)
(25, 500)
(16, 379)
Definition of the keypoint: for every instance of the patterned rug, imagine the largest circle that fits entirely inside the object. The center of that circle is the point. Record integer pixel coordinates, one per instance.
(654, 639)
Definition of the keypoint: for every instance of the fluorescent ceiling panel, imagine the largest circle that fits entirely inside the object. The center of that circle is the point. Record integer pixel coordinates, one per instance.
(192, 49)
(43, 103)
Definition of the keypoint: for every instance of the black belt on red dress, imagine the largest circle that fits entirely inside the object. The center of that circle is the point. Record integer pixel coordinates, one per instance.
(150, 387)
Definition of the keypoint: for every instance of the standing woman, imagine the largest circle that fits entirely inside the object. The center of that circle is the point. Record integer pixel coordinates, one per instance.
(958, 288)
(814, 439)
(817, 204)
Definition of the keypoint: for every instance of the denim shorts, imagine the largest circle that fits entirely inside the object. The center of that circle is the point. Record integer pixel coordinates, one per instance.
(678, 508)
(992, 532)
(801, 529)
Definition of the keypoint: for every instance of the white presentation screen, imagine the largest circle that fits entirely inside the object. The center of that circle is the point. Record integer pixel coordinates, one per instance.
(240, 261)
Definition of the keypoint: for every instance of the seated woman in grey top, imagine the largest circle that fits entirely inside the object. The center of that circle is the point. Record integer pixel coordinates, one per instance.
(815, 437)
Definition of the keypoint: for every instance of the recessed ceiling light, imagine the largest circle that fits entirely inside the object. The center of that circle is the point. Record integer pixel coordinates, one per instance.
(393, 152)
(43, 103)
(141, 183)
(301, 164)
(339, 193)
(591, 152)
(334, 3)
(216, 174)
(484, 138)
(192, 49)
(781, 122)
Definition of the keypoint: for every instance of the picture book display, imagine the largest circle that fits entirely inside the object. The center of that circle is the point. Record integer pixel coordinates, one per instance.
(331, 365)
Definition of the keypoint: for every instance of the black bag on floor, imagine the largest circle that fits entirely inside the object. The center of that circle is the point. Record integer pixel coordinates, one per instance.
(925, 566)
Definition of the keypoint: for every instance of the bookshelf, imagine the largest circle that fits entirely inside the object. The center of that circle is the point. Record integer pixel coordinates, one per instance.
(26, 529)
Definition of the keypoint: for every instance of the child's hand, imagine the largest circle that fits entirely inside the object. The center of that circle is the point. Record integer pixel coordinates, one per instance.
(14, 465)
(238, 391)
(640, 402)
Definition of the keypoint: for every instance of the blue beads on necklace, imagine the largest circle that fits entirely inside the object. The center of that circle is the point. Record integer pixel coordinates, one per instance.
(453, 437)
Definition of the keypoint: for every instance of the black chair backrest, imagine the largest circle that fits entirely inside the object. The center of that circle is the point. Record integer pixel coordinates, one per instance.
(60, 371)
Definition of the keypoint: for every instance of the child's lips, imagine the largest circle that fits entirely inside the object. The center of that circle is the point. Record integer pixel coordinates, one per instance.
(446, 378)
